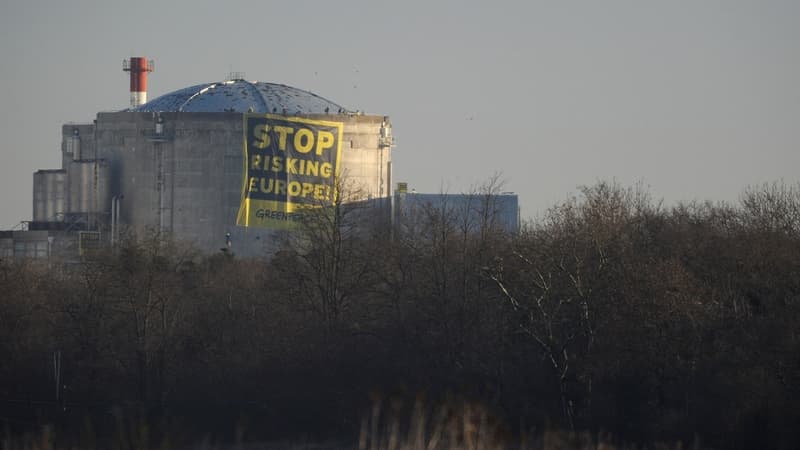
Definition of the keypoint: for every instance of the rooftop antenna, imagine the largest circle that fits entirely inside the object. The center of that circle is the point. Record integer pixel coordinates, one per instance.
(235, 76)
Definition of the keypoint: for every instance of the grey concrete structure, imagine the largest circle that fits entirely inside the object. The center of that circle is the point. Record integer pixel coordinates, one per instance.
(49, 195)
(174, 166)
(40, 244)
(467, 212)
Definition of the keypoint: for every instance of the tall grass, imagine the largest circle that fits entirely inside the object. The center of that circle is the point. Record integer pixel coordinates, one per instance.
(128, 434)
(390, 424)
(465, 425)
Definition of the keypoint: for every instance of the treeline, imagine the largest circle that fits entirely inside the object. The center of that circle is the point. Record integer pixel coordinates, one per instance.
(609, 313)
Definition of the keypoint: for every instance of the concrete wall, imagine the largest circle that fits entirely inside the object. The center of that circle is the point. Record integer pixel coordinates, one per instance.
(365, 161)
(39, 244)
(187, 181)
(182, 181)
(83, 141)
(31, 244)
(88, 184)
(470, 211)
(6, 244)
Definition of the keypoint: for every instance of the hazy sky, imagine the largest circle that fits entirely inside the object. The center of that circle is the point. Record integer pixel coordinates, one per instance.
(695, 98)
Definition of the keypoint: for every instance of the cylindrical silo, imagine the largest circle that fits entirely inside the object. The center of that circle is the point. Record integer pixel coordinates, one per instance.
(102, 203)
(89, 186)
(48, 195)
(80, 181)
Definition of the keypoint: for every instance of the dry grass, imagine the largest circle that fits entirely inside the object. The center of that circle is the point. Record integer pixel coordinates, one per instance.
(389, 425)
(464, 425)
(44, 441)
(128, 435)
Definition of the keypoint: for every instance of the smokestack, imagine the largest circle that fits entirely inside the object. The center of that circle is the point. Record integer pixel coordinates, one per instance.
(138, 66)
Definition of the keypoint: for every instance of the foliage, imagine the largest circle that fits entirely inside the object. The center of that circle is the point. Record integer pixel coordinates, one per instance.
(611, 313)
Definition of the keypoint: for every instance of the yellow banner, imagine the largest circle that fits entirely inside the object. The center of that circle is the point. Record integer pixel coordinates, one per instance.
(290, 164)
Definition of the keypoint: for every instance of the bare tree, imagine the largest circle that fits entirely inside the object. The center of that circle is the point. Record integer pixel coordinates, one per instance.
(149, 302)
(557, 279)
(772, 207)
(326, 258)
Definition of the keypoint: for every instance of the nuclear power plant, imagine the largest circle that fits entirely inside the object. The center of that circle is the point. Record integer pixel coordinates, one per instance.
(175, 165)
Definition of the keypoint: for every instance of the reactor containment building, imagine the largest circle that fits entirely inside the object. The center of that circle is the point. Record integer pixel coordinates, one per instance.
(174, 165)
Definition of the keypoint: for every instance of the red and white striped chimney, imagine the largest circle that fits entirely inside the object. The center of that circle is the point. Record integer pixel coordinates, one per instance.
(138, 66)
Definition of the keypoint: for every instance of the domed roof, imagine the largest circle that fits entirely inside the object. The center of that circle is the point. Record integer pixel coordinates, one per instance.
(241, 96)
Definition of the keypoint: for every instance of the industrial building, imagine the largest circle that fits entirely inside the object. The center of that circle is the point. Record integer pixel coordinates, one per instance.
(471, 213)
(174, 165)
